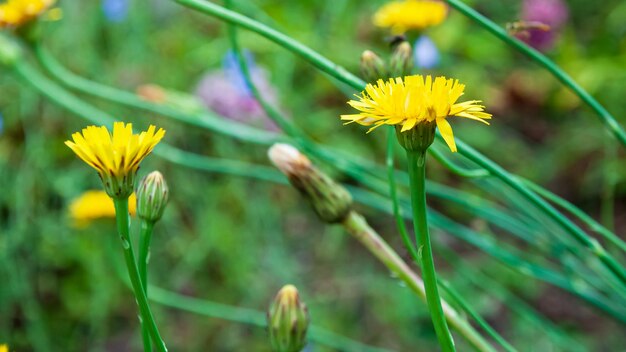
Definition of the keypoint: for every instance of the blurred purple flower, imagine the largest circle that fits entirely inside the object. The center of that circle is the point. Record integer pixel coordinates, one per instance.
(425, 53)
(115, 10)
(225, 91)
(554, 13)
(1, 123)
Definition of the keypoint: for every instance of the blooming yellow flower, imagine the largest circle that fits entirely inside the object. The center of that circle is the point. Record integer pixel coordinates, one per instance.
(401, 16)
(412, 101)
(14, 13)
(4, 348)
(115, 156)
(95, 204)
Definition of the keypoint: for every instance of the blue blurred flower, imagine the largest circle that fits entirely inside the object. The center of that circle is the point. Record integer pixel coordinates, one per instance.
(425, 53)
(230, 66)
(115, 10)
(1, 123)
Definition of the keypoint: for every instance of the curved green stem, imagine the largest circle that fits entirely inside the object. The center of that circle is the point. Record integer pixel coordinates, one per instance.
(281, 39)
(467, 308)
(593, 224)
(205, 119)
(606, 117)
(417, 175)
(457, 170)
(123, 227)
(576, 232)
(145, 237)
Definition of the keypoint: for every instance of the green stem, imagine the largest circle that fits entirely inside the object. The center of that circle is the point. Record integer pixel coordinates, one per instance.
(594, 247)
(393, 194)
(391, 142)
(358, 227)
(145, 237)
(281, 39)
(417, 175)
(606, 117)
(455, 169)
(467, 308)
(581, 215)
(123, 227)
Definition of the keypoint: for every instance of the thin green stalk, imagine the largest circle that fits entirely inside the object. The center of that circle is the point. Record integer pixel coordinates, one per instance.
(606, 117)
(393, 194)
(497, 251)
(283, 40)
(358, 227)
(581, 215)
(576, 232)
(468, 309)
(417, 175)
(205, 120)
(455, 169)
(123, 227)
(391, 142)
(252, 317)
(145, 237)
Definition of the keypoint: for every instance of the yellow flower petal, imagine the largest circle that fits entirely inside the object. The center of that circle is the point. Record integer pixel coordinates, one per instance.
(446, 132)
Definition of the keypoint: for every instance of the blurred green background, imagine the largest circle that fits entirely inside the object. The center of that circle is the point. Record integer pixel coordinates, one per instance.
(237, 241)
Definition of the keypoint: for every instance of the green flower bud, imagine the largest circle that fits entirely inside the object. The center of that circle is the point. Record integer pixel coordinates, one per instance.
(287, 321)
(152, 196)
(330, 200)
(418, 138)
(401, 62)
(372, 67)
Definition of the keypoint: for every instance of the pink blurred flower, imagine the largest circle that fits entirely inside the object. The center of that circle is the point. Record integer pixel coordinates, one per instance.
(554, 13)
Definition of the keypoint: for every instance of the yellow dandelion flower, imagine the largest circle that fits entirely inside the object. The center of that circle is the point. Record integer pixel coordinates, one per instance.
(401, 16)
(115, 156)
(415, 100)
(14, 13)
(93, 205)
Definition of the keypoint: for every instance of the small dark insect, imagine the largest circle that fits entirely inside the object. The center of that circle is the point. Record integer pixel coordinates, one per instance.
(396, 39)
(521, 28)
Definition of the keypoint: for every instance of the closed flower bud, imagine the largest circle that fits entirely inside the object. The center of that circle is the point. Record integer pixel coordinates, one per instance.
(152, 196)
(401, 61)
(287, 321)
(372, 67)
(330, 200)
(418, 138)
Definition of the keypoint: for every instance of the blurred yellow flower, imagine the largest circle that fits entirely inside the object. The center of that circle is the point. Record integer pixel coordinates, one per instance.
(14, 13)
(115, 156)
(402, 16)
(4, 348)
(414, 100)
(93, 205)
